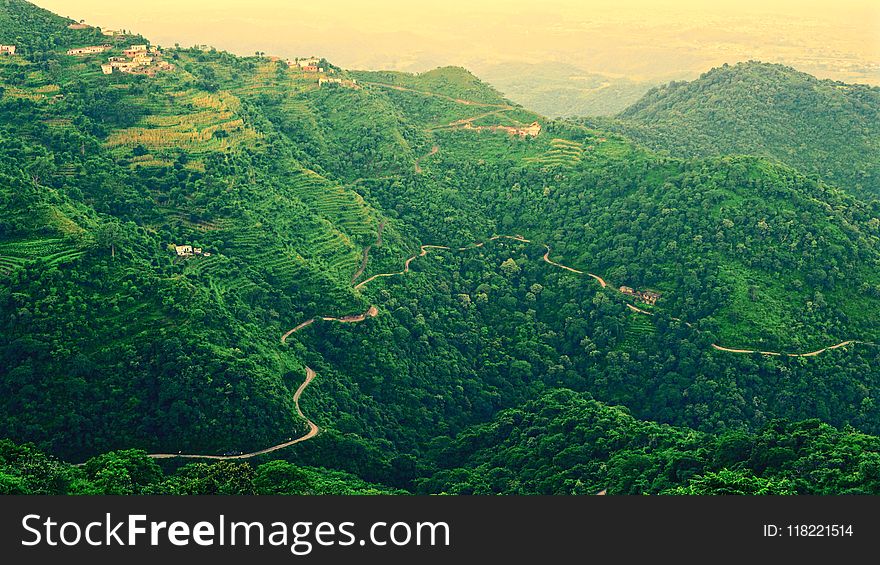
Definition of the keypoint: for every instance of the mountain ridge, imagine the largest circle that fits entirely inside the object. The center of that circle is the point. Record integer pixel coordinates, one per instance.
(820, 127)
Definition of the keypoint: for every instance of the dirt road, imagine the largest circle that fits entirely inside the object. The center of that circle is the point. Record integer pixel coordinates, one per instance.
(423, 250)
(313, 431)
(603, 284)
(373, 311)
(433, 151)
(778, 354)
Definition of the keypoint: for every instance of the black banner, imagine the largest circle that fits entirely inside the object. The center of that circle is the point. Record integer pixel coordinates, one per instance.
(434, 529)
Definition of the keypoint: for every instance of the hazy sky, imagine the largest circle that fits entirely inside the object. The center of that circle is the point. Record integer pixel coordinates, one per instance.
(642, 39)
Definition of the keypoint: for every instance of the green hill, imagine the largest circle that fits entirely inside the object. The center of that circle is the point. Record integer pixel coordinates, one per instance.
(821, 127)
(102, 174)
(451, 82)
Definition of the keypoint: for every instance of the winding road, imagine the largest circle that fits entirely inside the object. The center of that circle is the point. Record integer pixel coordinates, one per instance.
(350, 319)
(313, 431)
(752, 351)
(372, 311)
(366, 258)
(782, 354)
(546, 257)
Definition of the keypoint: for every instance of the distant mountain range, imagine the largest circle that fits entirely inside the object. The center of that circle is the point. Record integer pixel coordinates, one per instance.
(561, 90)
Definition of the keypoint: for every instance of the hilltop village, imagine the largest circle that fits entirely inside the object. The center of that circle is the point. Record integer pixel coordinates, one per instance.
(147, 60)
(312, 65)
(136, 60)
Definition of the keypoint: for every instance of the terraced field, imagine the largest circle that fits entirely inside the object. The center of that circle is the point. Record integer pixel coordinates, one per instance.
(333, 248)
(9, 264)
(344, 208)
(49, 252)
(638, 328)
(562, 152)
(223, 274)
(193, 120)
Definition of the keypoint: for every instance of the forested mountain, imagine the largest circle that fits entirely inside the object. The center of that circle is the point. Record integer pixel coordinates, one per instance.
(183, 242)
(821, 127)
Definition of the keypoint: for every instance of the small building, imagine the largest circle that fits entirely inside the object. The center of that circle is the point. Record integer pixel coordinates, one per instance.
(124, 67)
(111, 32)
(91, 50)
(189, 251)
(343, 82)
(7, 49)
(310, 69)
(135, 50)
(650, 297)
(78, 26)
(107, 69)
(646, 296)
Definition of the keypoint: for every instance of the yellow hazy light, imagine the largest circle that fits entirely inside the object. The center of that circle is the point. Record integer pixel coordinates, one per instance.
(642, 39)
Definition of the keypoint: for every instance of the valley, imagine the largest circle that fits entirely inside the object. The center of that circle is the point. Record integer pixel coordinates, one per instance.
(373, 311)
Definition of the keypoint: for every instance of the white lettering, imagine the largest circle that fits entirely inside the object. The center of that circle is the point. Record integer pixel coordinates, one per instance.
(203, 533)
(24, 524)
(177, 530)
(134, 529)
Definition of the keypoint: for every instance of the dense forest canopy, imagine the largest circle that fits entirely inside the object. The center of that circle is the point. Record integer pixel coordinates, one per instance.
(824, 128)
(161, 230)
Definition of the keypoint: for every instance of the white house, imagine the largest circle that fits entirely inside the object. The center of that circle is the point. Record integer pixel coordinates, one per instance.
(183, 250)
(189, 251)
(91, 50)
(7, 49)
(135, 50)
